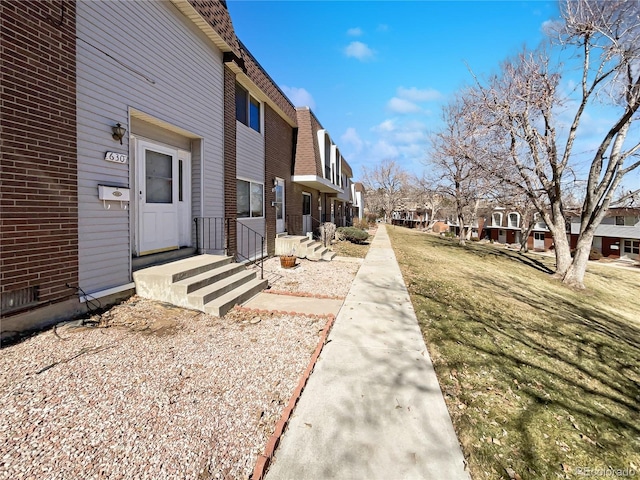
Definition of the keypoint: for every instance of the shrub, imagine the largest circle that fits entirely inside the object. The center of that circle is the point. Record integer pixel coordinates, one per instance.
(371, 217)
(360, 224)
(327, 232)
(595, 254)
(353, 235)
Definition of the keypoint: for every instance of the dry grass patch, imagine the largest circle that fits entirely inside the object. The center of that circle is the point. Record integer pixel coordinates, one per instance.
(347, 249)
(541, 380)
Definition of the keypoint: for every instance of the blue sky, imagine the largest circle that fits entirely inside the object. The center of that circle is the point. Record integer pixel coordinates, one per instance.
(376, 73)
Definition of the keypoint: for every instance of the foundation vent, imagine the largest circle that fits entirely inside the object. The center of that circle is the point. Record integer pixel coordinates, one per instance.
(18, 299)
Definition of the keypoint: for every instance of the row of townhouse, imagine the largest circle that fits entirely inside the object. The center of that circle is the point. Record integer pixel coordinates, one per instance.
(618, 235)
(135, 128)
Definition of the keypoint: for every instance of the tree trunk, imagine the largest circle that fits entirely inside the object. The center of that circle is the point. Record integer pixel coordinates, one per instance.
(461, 231)
(574, 277)
(562, 250)
(525, 232)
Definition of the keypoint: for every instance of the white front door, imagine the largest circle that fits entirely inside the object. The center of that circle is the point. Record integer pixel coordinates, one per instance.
(538, 240)
(279, 204)
(502, 236)
(158, 198)
(307, 224)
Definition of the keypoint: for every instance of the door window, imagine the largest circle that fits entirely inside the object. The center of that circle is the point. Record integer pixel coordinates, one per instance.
(306, 204)
(159, 177)
(279, 201)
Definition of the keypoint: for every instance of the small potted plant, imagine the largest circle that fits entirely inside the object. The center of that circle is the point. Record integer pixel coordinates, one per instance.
(288, 260)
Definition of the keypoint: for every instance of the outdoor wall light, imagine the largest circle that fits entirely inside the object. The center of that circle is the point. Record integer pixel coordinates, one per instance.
(118, 132)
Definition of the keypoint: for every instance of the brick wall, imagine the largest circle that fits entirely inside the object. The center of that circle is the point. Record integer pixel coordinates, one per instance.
(307, 161)
(38, 167)
(278, 136)
(230, 194)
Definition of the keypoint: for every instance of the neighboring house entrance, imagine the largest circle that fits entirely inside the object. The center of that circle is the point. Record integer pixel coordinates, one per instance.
(597, 244)
(307, 225)
(631, 247)
(164, 198)
(538, 240)
(279, 204)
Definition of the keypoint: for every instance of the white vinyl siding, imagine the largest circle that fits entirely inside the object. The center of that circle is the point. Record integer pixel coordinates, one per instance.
(154, 40)
(250, 151)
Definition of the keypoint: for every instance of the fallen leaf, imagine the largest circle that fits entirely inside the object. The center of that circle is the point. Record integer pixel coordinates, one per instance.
(584, 437)
(513, 475)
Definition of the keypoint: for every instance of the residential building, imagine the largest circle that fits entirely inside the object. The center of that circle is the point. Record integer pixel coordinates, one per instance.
(618, 235)
(132, 129)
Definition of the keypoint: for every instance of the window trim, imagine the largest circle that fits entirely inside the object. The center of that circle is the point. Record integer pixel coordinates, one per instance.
(251, 183)
(249, 100)
(517, 222)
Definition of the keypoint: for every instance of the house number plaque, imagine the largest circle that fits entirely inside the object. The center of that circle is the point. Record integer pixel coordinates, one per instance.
(116, 157)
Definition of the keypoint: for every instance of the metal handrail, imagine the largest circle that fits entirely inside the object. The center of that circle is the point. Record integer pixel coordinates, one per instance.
(249, 234)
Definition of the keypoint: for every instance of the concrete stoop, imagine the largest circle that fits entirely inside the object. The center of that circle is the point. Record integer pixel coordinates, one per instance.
(302, 247)
(209, 283)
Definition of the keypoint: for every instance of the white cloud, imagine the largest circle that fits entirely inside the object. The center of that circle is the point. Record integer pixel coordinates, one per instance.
(351, 137)
(403, 106)
(383, 27)
(416, 95)
(384, 127)
(383, 149)
(299, 97)
(354, 32)
(360, 51)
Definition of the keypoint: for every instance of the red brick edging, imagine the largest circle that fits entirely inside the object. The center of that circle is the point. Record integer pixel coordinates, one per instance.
(263, 461)
(303, 294)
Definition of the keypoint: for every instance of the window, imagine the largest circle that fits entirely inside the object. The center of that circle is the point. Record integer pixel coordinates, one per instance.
(497, 219)
(631, 247)
(247, 108)
(628, 221)
(306, 204)
(159, 177)
(250, 199)
(514, 219)
(539, 222)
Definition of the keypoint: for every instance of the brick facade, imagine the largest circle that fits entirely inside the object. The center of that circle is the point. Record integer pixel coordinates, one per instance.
(278, 136)
(230, 192)
(38, 167)
(307, 159)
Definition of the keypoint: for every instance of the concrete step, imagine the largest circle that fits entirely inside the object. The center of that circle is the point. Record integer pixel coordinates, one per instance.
(201, 297)
(155, 282)
(329, 255)
(198, 281)
(145, 261)
(226, 302)
(302, 247)
(191, 284)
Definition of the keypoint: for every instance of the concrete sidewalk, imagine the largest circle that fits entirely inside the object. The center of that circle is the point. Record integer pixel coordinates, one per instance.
(372, 407)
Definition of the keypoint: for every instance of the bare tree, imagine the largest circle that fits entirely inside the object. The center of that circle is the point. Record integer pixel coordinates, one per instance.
(532, 152)
(455, 165)
(385, 184)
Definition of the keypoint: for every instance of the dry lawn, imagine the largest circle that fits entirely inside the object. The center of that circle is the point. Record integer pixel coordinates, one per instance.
(542, 381)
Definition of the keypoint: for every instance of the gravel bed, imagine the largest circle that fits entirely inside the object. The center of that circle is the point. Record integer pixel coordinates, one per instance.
(321, 278)
(150, 392)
